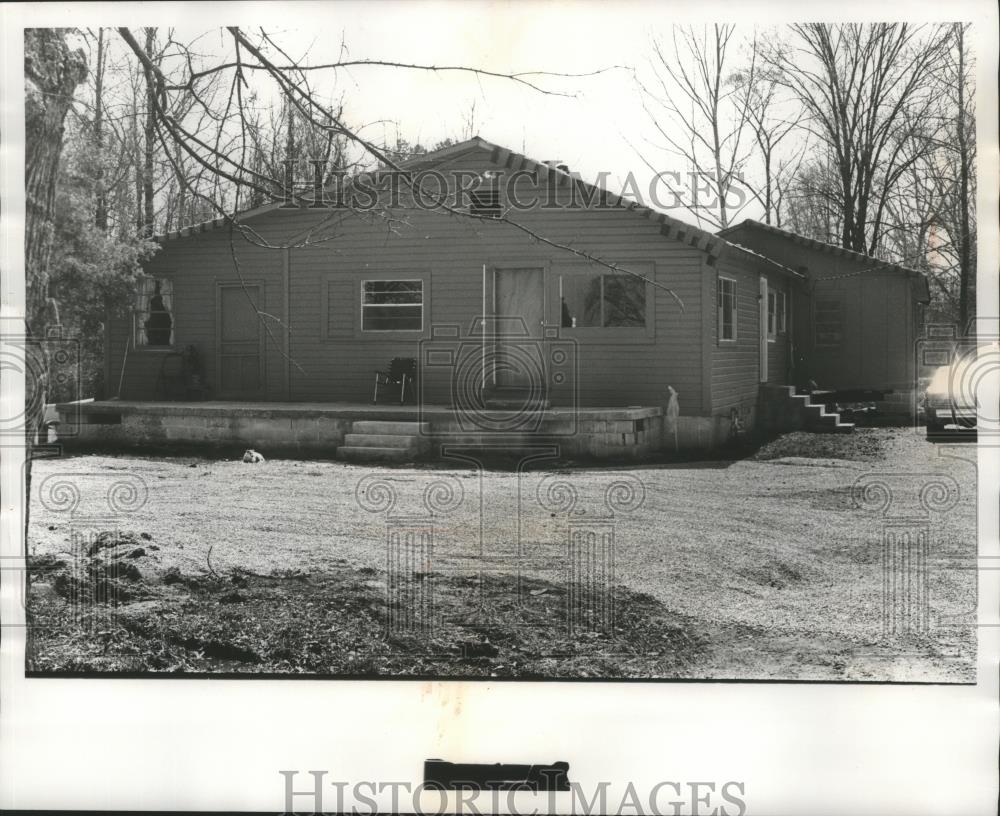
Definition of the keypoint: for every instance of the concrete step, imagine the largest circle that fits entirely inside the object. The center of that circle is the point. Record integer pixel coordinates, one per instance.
(371, 440)
(351, 453)
(381, 426)
(507, 404)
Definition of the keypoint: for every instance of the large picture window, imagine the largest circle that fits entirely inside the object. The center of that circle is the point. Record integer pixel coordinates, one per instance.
(727, 309)
(602, 301)
(154, 312)
(392, 305)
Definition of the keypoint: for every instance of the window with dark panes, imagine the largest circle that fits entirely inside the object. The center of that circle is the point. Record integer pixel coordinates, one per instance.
(727, 309)
(772, 313)
(602, 301)
(154, 312)
(392, 305)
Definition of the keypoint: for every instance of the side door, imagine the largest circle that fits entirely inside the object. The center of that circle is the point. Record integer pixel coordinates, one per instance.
(240, 370)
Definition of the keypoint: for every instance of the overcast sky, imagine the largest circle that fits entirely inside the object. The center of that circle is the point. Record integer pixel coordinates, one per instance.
(600, 127)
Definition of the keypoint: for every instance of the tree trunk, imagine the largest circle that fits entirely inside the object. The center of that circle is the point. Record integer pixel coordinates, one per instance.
(51, 74)
(101, 215)
(965, 308)
(150, 135)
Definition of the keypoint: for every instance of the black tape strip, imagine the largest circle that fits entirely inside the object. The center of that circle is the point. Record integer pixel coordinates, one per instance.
(475, 776)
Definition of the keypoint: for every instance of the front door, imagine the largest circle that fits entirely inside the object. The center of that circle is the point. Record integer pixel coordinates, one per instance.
(240, 372)
(519, 308)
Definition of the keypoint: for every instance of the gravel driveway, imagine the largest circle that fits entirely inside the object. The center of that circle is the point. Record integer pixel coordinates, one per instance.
(769, 557)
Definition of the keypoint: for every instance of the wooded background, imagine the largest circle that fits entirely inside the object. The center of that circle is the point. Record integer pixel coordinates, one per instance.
(859, 135)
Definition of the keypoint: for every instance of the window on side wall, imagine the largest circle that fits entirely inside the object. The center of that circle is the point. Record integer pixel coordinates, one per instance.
(602, 301)
(154, 312)
(392, 305)
(727, 309)
(772, 314)
(782, 312)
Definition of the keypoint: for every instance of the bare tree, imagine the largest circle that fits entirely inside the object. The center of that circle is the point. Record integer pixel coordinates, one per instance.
(771, 120)
(868, 94)
(697, 107)
(959, 217)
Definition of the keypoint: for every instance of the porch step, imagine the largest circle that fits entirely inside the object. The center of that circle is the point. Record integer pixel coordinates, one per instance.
(373, 440)
(381, 426)
(818, 418)
(382, 440)
(813, 416)
(352, 453)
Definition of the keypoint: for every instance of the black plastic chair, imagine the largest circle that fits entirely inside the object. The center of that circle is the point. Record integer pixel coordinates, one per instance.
(402, 372)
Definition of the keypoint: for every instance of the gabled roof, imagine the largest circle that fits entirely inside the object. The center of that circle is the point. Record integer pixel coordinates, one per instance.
(701, 239)
(712, 244)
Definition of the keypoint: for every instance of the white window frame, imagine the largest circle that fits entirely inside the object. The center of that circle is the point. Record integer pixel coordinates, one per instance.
(734, 311)
(366, 281)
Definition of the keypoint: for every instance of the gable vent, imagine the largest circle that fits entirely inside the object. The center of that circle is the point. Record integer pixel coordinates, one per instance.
(485, 203)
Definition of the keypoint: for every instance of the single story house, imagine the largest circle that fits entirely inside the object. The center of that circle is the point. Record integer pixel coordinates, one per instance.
(535, 307)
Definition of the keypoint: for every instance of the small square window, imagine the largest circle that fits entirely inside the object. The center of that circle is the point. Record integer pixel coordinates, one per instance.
(392, 305)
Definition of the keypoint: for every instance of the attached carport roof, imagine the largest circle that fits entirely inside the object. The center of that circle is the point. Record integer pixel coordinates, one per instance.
(921, 289)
